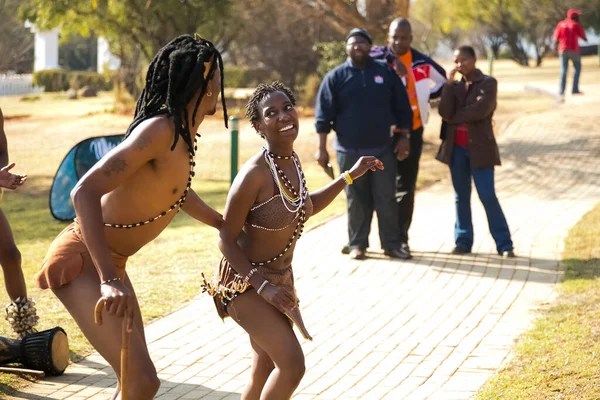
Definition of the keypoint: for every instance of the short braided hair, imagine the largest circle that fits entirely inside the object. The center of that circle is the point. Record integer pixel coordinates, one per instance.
(262, 91)
(468, 50)
(174, 77)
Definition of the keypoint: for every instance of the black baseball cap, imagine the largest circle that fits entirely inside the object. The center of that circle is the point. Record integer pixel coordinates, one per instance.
(360, 32)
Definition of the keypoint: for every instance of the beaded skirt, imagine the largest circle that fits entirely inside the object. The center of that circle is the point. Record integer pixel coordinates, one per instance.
(228, 284)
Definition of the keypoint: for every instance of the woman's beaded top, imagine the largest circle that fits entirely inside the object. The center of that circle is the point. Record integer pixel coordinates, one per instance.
(272, 216)
(295, 204)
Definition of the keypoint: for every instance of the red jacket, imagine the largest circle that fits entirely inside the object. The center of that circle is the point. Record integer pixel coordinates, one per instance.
(567, 34)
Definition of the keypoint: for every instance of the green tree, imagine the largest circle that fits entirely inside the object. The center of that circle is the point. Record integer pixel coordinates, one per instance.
(435, 21)
(343, 15)
(517, 24)
(16, 43)
(135, 29)
(331, 54)
(78, 53)
(274, 38)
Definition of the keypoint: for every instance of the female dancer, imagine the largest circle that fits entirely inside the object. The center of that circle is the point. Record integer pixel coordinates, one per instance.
(270, 203)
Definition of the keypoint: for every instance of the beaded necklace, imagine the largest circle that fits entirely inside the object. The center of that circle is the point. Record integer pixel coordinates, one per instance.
(292, 204)
(178, 204)
(298, 201)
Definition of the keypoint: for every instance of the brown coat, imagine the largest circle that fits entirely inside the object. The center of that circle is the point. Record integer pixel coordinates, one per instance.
(474, 108)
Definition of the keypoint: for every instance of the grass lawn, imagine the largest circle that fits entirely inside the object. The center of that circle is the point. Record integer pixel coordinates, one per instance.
(558, 358)
(166, 273)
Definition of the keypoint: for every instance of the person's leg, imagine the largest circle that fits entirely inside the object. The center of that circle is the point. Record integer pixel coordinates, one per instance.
(484, 183)
(564, 67)
(80, 297)
(576, 59)
(275, 344)
(10, 259)
(460, 171)
(139, 323)
(262, 366)
(360, 209)
(384, 199)
(406, 182)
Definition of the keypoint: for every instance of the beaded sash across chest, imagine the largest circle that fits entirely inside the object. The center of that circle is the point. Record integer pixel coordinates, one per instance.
(178, 204)
(294, 202)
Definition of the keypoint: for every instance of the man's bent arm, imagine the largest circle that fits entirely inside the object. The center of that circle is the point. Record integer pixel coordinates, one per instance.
(196, 208)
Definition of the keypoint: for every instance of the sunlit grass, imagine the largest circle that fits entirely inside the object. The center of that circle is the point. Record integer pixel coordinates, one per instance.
(558, 357)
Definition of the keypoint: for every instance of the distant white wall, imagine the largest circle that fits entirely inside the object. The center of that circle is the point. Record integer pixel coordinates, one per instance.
(105, 57)
(46, 48)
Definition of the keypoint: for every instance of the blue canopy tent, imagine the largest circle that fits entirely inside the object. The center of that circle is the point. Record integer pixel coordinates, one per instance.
(78, 161)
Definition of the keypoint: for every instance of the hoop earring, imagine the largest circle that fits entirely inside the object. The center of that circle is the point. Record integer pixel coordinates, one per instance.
(209, 94)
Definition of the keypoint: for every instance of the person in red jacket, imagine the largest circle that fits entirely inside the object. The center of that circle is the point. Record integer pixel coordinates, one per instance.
(567, 35)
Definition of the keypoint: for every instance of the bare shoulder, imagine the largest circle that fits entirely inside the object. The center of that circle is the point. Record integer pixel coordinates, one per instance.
(154, 133)
(254, 171)
(148, 141)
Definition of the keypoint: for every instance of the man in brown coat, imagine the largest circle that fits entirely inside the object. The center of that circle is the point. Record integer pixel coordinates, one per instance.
(470, 149)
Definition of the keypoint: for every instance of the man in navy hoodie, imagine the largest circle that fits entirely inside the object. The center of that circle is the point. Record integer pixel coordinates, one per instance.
(423, 79)
(366, 104)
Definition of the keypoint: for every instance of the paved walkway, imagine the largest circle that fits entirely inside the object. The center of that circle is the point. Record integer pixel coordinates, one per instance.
(436, 327)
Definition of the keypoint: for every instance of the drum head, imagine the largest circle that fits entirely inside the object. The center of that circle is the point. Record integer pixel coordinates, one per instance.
(60, 352)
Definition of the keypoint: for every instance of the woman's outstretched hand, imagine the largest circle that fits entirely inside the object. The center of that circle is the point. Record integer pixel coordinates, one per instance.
(363, 165)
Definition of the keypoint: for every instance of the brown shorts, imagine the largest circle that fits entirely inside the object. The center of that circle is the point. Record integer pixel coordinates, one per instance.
(64, 260)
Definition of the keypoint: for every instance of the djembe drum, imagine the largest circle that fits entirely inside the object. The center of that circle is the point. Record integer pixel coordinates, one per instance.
(46, 351)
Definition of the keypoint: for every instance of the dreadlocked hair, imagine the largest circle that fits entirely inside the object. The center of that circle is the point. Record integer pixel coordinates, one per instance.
(174, 77)
(262, 91)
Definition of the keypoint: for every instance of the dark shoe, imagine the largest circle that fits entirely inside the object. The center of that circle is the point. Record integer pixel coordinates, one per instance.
(461, 250)
(346, 249)
(405, 247)
(508, 254)
(400, 253)
(357, 254)
(578, 92)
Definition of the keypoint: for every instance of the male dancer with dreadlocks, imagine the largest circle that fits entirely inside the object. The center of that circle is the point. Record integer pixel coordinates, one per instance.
(129, 197)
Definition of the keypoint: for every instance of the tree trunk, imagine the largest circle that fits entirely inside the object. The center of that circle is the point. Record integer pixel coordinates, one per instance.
(496, 50)
(379, 10)
(518, 53)
(130, 70)
(402, 8)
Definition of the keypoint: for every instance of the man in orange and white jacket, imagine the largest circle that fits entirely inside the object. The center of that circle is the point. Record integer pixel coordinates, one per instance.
(423, 79)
